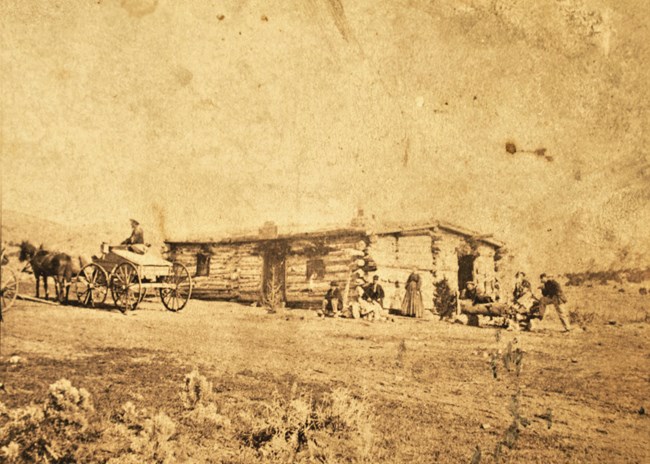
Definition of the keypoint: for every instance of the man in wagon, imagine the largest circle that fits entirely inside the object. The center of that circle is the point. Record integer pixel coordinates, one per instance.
(136, 240)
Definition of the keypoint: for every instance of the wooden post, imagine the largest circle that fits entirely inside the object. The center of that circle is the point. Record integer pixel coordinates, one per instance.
(347, 290)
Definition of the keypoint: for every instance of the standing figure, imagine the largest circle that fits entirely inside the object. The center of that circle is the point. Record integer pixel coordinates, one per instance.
(552, 294)
(396, 300)
(412, 304)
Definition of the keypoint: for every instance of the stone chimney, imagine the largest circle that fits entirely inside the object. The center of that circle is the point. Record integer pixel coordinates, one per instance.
(359, 220)
(269, 230)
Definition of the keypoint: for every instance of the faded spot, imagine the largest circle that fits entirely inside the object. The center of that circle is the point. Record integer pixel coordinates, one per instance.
(577, 175)
(221, 17)
(338, 14)
(139, 8)
(183, 75)
(63, 74)
(159, 212)
(264, 18)
(405, 157)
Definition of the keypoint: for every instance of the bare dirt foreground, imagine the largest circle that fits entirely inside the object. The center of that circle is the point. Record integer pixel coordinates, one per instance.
(415, 391)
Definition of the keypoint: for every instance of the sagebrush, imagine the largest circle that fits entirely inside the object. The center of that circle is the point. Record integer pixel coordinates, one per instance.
(66, 428)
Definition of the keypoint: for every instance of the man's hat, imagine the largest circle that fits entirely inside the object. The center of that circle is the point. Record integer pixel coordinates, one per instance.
(135, 220)
(375, 277)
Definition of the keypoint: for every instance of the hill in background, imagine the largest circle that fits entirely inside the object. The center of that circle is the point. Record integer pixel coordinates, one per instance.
(84, 240)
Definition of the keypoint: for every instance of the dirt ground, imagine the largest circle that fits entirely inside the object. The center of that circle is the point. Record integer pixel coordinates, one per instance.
(437, 390)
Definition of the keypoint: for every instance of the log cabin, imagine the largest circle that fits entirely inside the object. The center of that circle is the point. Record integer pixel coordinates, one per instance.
(297, 268)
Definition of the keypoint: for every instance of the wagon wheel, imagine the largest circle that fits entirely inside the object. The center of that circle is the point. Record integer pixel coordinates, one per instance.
(8, 289)
(92, 285)
(126, 287)
(178, 288)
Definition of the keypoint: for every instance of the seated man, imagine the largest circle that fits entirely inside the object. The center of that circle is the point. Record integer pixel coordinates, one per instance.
(475, 294)
(522, 294)
(136, 240)
(374, 292)
(360, 307)
(469, 292)
(373, 299)
(333, 302)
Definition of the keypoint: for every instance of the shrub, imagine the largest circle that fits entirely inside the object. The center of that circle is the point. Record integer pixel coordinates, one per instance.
(298, 429)
(51, 432)
(444, 299)
(196, 390)
(197, 395)
(141, 437)
(273, 300)
(580, 318)
(67, 406)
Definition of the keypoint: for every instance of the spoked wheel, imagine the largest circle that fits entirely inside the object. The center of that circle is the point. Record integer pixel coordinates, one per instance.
(126, 287)
(178, 288)
(8, 288)
(92, 285)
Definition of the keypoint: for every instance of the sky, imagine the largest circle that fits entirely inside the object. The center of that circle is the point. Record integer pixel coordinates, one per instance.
(199, 117)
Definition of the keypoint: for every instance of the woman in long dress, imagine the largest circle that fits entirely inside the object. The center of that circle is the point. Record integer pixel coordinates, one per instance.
(412, 304)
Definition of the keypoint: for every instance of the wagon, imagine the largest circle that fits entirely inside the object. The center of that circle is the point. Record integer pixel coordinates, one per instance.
(128, 276)
(8, 284)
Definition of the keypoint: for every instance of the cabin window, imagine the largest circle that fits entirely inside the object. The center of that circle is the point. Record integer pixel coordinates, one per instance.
(202, 264)
(315, 269)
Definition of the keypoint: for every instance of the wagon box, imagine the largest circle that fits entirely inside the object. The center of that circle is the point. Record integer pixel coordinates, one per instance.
(131, 275)
(148, 265)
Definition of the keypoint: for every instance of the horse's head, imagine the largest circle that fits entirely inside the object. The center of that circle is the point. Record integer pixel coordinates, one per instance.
(27, 251)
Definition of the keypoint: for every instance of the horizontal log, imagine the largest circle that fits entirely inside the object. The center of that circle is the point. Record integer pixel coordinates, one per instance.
(489, 309)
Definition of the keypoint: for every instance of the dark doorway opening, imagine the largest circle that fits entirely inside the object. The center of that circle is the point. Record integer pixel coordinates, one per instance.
(274, 274)
(465, 270)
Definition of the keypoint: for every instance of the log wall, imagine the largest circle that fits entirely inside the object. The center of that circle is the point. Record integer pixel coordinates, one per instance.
(236, 268)
(339, 256)
(396, 257)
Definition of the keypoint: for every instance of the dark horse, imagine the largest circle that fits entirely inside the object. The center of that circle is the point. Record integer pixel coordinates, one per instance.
(49, 264)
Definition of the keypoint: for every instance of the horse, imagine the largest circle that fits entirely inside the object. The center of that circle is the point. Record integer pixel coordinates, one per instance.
(60, 266)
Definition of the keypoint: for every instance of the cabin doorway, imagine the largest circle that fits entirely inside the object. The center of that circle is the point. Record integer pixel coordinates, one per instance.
(273, 276)
(465, 271)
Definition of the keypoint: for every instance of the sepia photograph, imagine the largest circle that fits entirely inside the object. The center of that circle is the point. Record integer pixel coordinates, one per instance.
(325, 231)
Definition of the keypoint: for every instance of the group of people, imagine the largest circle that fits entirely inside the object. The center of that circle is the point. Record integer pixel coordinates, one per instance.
(524, 299)
(552, 294)
(368, 301)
